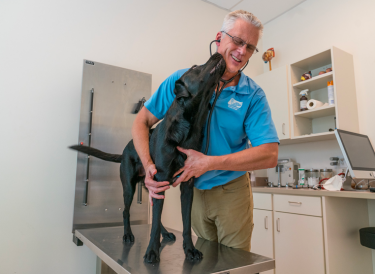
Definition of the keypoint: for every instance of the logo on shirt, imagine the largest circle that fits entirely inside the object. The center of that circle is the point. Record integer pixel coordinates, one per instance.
(234, 104)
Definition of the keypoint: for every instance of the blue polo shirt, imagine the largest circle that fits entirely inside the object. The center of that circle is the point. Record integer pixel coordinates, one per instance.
(241, 113)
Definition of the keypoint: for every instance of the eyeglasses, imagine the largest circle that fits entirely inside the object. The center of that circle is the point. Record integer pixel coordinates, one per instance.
(239, 42)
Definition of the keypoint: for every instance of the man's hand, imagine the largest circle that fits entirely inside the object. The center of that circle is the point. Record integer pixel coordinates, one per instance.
(196, 164)
(153, 186)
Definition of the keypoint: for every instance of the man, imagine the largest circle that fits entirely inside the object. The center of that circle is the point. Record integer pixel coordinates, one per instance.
(222, 205)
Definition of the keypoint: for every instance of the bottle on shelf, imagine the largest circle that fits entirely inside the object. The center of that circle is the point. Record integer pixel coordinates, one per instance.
(303, 100)
(331, 97)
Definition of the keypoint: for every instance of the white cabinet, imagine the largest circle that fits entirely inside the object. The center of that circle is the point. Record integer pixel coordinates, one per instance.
(262, 237)
(311, 234)
(275, 85)
(298, 244)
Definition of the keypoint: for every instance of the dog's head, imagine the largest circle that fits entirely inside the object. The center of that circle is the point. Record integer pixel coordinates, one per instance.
(200, 81)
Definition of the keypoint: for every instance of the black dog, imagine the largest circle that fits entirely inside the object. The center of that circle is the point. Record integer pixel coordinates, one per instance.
(182, 126)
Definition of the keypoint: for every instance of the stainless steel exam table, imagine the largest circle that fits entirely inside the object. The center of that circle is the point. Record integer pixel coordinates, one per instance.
(107, 244)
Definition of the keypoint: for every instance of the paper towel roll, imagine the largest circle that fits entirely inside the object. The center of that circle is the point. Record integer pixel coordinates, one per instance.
(312, 104)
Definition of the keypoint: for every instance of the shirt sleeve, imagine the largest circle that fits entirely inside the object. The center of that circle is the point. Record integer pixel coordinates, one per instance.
(162, 99)
(259, 126)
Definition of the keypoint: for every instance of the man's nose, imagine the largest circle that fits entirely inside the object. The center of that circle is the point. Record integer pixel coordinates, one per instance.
(242, 49)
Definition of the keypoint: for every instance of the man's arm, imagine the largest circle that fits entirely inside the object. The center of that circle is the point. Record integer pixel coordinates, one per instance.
(196, 164)
(260, 157)
(140, 132)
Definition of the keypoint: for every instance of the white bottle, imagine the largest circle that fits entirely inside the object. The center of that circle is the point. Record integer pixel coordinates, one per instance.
(331, 95)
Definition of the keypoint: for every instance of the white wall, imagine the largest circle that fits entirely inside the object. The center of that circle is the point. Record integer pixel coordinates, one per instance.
(42, 47)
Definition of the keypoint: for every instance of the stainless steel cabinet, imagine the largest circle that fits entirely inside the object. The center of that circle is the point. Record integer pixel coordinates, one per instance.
(109, 96)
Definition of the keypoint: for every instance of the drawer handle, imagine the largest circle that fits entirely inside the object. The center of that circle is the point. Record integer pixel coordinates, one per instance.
(297, 203)
(278, 224)
(283, 128)
(266, 222)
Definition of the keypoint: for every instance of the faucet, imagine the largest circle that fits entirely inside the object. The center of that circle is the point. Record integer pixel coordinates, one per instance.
(278, 167)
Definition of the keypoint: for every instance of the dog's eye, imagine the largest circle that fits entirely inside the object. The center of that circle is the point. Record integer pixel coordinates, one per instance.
(194, 67)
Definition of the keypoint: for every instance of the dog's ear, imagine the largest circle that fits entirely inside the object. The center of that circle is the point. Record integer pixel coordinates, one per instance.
(180, 90)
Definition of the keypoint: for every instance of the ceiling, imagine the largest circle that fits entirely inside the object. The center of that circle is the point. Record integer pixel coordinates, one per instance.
(265, 10)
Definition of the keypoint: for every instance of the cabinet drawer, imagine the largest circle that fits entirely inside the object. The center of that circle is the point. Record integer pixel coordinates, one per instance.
(262, 201)
(298, 204)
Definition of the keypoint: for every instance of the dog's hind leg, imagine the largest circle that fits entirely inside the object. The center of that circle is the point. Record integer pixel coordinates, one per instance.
(152, 252)
(167, 235)
(187, 192)
(128, 177)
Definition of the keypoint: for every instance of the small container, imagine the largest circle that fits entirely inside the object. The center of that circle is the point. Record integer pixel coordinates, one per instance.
(331, 95)
(360, 184)
(301, 174)
(312, 177)
(326, 173)
(303, 100)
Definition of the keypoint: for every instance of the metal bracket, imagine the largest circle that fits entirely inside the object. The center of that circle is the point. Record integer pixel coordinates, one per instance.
(77, 241)
(139, 105)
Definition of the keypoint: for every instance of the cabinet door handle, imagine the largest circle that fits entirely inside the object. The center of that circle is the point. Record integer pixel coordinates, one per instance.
(89, 144)
(266, 222)
(297, 203)
(283, 128)
(278, 224)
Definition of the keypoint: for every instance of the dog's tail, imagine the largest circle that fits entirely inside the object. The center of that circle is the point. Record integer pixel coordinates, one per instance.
(97, 153)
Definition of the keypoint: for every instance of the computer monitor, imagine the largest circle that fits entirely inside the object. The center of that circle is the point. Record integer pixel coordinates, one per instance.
(358, 153)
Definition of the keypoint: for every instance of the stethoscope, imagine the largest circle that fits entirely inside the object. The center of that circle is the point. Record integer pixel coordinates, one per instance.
(225, 82)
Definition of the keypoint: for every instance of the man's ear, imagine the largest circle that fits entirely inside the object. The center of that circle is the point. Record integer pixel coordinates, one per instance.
(219, 35)
(181, 91)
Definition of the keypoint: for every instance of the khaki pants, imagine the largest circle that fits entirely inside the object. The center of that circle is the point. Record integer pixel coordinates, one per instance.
(225, 213)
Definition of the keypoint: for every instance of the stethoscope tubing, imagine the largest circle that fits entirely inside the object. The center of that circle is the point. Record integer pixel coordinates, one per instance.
(218, 92)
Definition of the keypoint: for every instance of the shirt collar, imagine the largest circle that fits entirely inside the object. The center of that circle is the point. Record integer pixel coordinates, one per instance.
(242, 87)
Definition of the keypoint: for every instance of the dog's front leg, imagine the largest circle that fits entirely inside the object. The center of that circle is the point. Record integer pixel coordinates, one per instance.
(152, 253)
(187, 192)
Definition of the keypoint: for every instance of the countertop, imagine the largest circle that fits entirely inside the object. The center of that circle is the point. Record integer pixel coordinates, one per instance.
(359, 194)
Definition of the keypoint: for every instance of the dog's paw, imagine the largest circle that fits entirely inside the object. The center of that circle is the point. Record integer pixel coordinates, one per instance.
(128, 237)
(169, 236)
(151, 257)
(193, 254)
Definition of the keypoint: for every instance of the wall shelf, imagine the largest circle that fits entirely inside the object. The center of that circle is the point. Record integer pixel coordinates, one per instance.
(316, 113)
(309, 138)
(314, 125)
(316, 82)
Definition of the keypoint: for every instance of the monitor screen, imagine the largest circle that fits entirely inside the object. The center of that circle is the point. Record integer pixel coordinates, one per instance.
(359, 150)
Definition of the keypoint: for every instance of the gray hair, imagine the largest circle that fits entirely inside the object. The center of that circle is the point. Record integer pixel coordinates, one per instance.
(231, 18)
